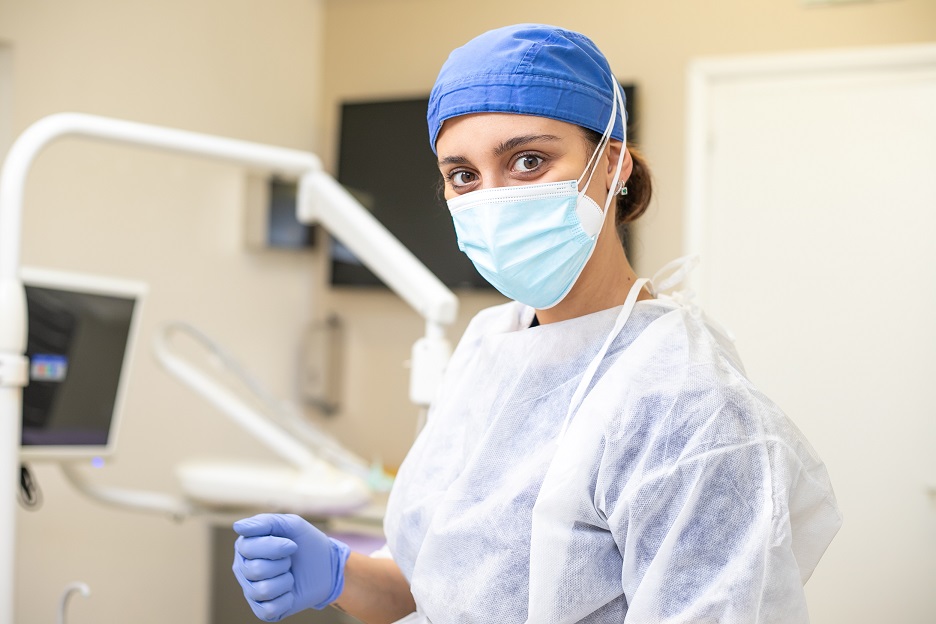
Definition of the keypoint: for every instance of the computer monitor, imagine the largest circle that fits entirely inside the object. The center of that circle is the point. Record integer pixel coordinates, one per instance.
(81, 334)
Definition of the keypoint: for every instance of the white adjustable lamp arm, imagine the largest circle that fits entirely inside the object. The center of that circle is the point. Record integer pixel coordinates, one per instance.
(321, 199)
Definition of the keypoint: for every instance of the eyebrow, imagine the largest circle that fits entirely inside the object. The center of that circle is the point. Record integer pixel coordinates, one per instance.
(520, 141)
(503, 148)
(453, 160)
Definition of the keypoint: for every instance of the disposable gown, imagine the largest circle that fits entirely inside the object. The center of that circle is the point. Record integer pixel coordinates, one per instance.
(678, 493)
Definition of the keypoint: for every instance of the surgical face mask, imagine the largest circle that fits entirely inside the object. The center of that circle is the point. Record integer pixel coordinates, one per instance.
(532, 242)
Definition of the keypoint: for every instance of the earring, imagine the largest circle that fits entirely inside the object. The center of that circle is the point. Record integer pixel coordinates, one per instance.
(621, 190)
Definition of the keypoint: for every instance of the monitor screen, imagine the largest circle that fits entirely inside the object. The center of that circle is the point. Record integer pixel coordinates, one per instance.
(80, 332)
(385, 161)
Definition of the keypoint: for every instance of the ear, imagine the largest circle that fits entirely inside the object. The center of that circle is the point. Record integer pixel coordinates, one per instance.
(613, 153)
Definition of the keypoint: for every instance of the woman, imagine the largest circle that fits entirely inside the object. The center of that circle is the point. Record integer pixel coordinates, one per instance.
(596, 453)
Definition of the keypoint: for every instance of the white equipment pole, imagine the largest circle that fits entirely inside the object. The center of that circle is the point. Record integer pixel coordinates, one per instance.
(321, 199)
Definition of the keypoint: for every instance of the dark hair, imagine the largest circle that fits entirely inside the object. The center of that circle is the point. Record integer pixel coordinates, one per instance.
(639, 184)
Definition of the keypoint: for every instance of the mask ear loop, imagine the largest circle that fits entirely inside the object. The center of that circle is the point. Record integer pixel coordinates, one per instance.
(620, 162)
(605, 139)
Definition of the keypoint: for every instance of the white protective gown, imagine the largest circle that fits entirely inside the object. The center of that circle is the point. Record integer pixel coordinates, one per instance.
(678, 493)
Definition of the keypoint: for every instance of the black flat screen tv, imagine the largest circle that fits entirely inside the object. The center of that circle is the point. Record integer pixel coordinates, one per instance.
(385, 161)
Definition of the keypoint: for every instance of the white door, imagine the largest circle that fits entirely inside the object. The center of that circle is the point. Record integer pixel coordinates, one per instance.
(812, 201)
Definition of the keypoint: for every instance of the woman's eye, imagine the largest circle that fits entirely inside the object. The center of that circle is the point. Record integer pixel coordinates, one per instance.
(527, 163)
(461, 178)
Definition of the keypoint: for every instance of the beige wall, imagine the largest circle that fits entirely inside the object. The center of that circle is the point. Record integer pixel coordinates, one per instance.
(388, 49)
(247, 69)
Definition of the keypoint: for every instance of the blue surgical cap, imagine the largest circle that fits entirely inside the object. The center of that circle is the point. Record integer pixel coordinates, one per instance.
(530, 69)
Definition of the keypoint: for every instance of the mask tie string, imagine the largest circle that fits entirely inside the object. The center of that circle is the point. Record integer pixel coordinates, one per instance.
(620, 162)
(592, 167)
(673, 274)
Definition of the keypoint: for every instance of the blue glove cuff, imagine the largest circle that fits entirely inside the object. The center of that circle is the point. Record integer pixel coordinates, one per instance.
(339, 557)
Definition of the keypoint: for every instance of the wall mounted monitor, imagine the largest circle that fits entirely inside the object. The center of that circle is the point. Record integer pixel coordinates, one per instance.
(80, 341)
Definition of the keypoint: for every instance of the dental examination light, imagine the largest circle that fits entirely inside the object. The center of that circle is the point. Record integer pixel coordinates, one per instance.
(324, 477)
(321, 200)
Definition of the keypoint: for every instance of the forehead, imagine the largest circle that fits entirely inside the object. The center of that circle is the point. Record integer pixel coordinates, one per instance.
(485, 131)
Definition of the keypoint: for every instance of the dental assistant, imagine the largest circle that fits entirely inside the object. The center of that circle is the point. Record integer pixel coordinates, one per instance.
(596, 452)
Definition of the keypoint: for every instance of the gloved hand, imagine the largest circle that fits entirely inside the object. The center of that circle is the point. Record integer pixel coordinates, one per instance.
(286, 565)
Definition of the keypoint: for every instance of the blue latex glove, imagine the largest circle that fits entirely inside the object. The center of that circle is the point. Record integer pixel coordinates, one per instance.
(286, 565)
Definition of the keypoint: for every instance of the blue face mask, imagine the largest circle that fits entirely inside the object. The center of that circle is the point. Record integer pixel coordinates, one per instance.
(532, 242)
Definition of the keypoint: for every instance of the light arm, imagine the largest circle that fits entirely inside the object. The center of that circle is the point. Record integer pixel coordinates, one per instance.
(323, 200)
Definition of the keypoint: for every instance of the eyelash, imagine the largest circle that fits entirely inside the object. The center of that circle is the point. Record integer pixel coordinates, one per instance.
(524, 155)
(449, 177)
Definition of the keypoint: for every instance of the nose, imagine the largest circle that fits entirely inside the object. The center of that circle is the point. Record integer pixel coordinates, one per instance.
(494, 178)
